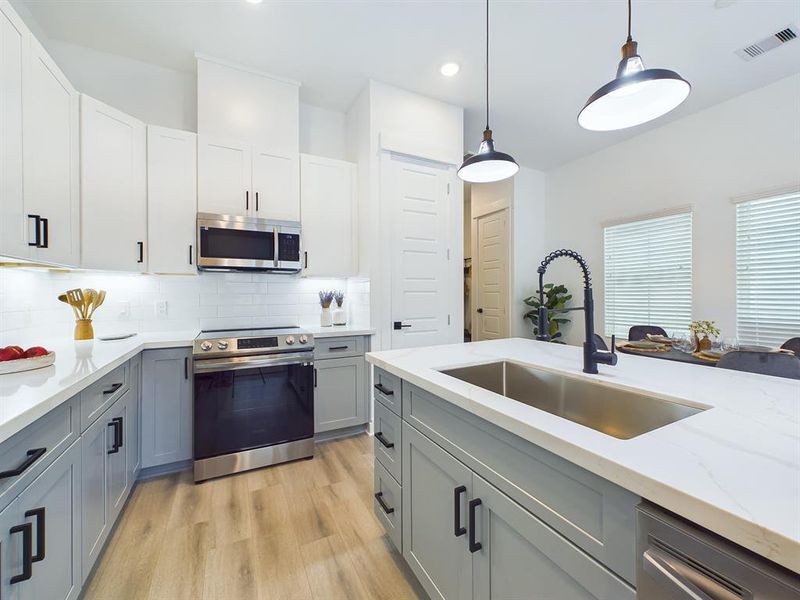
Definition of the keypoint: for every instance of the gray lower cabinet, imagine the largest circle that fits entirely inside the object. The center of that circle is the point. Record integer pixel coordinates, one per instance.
(166, 418)
(47, 516)
(133, 425)
(339, 393)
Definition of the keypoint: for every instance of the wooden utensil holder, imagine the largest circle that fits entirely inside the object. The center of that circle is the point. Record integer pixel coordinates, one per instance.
(84, 329)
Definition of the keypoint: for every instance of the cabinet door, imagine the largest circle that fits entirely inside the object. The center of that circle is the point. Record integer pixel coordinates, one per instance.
(14, 222)
(171, 200)
(166, 406)
(339, 393)
(113, 188)
(435, 486)
(521, 557)
(117, 480)
(133, 433)
(50, 142)
(96, 442)
(223, 177)
(50, 507)
(276, 186)
(328, 210)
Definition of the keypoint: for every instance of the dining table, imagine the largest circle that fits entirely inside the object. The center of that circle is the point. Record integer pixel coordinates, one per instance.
(670, 354)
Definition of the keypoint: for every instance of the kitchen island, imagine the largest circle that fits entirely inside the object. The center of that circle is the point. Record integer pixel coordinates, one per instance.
(733, 467)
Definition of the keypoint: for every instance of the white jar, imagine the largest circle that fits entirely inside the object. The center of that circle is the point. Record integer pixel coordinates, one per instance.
(339, 316)
(325, 319)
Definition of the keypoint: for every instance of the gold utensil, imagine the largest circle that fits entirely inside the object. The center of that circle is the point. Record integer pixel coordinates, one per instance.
(63, 298)
(88, 297)
(75, 298)
(98, 299)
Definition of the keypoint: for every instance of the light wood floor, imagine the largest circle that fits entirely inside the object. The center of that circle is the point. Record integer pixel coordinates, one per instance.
(303, 530)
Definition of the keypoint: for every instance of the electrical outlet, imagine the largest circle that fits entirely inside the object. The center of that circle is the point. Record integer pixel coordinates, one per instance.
(161, 309)
(124, 310)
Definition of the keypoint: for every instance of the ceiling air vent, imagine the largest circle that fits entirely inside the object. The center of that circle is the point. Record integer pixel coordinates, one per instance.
(755, 50)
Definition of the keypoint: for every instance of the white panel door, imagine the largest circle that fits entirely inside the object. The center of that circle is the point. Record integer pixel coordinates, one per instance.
(491, 277)
(328, 215)
(276, 186)
(418, 193)
(50, 140)
(113, 188)
(14, 222)
(171, 200)
(224, 170)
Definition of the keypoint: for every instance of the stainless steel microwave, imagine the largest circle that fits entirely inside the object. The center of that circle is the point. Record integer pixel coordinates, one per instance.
(234, 243)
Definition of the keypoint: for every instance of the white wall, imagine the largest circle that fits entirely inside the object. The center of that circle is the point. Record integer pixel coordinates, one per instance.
(322, 132)
(747, 145)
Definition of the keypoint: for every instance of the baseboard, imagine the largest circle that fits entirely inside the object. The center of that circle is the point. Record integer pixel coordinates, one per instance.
(340, 433)
(160, 470)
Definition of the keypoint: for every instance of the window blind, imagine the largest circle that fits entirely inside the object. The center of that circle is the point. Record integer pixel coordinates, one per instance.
(768, 270)
(648, 274)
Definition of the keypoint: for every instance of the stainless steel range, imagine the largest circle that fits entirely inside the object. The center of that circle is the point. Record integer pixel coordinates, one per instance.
(253, 399)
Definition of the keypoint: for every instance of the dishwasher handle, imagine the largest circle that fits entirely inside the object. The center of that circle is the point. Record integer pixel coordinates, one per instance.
(688, 583)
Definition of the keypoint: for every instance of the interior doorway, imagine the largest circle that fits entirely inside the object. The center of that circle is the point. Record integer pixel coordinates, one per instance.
(491, 276)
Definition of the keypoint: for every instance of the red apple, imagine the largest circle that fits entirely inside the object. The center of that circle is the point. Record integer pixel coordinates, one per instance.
(18, 349)
(9, 354)
(35, 351)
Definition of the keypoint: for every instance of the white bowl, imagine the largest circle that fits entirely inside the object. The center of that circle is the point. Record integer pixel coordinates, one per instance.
(27, 364)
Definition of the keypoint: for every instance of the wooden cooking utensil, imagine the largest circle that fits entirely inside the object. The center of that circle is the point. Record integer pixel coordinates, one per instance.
(63, 298)
(75, 298)
(98, 299)
(87, 301)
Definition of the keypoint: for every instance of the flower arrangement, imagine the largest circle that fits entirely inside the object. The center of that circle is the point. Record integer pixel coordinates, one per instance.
(704, 328)
(338, 295)
(326, 297)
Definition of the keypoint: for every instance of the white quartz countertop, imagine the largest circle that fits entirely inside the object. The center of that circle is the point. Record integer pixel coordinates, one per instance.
(734, 469)
(337, 330)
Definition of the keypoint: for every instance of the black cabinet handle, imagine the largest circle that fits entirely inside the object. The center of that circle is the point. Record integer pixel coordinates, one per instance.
(338, 348)
(379, 497)
(45, 234)
(141, 252)
(247, 199)
(33, 456)
(112, 389)
(114, 444)
(384, 390)
(386, 443)
(41, 539)
(186, 367)
(26, 529)
(120, 429)
(37, 219)
(473, 545)
(305, 257)
(191, 254)
(400, 325)
(256, 201)
(315, 378)
(458, 530)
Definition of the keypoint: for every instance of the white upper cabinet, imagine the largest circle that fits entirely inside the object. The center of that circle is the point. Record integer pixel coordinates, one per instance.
(276, 186)
(51, 157)
(14, 46)
(224, 176)
(113, 188)
(171, 200)
(328, 207)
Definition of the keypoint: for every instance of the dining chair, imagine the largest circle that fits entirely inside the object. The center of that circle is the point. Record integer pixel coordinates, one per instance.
(639, 332)
(792, 344)
(600, 342)
(776, 364)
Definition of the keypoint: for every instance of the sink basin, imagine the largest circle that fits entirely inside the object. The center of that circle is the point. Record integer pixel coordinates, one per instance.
(619, 413)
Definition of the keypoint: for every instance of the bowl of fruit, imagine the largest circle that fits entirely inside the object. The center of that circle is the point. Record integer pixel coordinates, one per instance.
(13, 359)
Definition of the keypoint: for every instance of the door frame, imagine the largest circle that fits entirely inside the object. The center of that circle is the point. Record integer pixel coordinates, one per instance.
(473, 298)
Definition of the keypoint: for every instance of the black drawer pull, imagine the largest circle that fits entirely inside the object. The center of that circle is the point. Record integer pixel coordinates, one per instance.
(33, 456)
(473, 545)
(114, 444)
(458, 530)
(386, 443)
(37, 240)
(41, 539)
(45, 235)
(384, 506)
(113, 389)
(384, 390)
(338, 348)
(118, 432)
(141, 252)
(26, 529)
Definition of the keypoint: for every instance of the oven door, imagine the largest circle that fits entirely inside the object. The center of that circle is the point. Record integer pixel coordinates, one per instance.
(251, 402)
(236, 243)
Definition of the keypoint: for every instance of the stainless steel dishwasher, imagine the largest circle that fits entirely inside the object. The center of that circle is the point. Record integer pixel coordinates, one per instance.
(681, 561)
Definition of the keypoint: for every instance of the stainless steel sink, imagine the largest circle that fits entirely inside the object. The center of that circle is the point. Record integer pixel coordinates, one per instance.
(615, 412)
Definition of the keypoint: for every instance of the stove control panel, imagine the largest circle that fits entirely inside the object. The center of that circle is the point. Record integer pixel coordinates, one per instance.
(206, 346)
(303, 339)
(255, 343)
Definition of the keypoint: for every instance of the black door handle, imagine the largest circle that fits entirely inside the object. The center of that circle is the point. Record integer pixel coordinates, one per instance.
(386, 508)
(141, 252)
(473, 545)
(480, 310)
(383, 389)
(112, 389)
(45, 234)
(37, 219)
(114, 445)
(458, 530)
(41, 539)
(400, 325)
(256, 201)
(26, 529)
(120, 429)
(33, 456)
(386, 443)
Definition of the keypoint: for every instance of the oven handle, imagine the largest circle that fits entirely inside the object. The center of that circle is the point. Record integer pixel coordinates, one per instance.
(250, 362)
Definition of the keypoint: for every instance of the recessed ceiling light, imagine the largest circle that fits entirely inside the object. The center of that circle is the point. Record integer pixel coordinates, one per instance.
(449, 69)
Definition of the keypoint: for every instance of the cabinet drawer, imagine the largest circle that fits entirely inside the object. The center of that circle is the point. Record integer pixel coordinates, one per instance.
(338, 347)
(31, 450)
(96, 398)
(387, 390)
(592, 512)
(387, 440)
(387, 505)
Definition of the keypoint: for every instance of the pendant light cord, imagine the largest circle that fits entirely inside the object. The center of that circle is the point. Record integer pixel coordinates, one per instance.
(487, 64)
(629, 21)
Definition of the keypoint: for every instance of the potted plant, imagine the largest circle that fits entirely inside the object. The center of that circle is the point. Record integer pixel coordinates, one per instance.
(704, 328)
(325, 299)
(339, 313)
(555, 299)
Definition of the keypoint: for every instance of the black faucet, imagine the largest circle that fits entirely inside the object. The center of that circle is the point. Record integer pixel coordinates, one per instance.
(591, 355)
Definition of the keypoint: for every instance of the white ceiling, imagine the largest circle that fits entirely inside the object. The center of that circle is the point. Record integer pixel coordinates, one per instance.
(548, 56)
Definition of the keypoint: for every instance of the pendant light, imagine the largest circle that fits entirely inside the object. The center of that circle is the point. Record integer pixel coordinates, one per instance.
(637, 95)
(487, 165)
